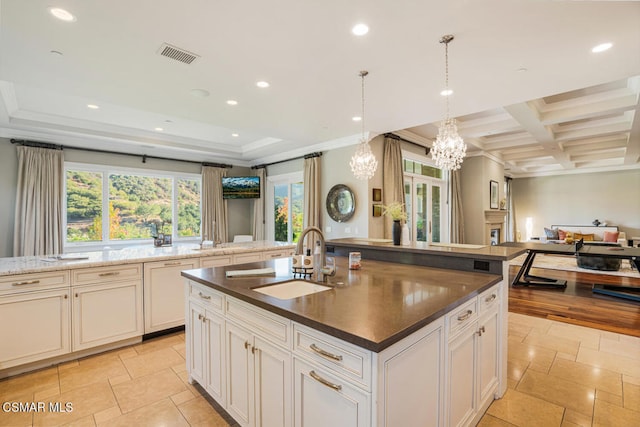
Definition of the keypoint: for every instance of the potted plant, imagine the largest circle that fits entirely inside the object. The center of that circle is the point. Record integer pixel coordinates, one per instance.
(397, 213)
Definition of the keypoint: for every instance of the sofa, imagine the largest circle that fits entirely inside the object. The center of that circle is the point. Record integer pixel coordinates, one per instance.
(589, 233)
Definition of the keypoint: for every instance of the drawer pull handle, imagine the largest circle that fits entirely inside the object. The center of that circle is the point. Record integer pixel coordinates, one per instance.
(172, 263)
(275, 255)
(481, 331)
(324, 353)
(491, 298)
(28, 282)
(203, 296)
(463, 317)
(336, 387)
(110, 273)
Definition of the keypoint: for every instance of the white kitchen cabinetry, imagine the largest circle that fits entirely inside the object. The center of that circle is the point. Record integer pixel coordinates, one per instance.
(216, 261)
(164, 293)
(472, 358)
(34, 317)
(107, 305)
(325, 399)
(258, 366)
(246, 257)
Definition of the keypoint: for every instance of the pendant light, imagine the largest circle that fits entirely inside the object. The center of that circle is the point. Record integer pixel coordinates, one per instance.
(449, 150)
(363, 163)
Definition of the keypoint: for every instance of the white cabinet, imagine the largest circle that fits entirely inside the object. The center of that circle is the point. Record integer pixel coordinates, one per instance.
(243, 258)
(247, 373)
(164, 301)
(324, 399)
(472, 358)
(34, 323)
(258, 379)
(216, 261)
(107, 305)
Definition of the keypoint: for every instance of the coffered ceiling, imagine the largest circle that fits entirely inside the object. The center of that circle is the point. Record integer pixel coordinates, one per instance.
(528, 91)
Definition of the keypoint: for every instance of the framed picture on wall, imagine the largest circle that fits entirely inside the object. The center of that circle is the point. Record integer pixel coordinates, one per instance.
(377, 210)
(377, 194)
(493, 194)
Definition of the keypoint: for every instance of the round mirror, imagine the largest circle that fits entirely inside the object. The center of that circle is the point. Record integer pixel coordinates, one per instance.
(341, 203)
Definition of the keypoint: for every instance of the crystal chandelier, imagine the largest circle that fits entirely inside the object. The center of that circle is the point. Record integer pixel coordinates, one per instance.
(363, 163)
(449, 149)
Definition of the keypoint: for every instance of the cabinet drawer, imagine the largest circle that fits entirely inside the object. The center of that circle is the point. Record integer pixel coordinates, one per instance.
(489, 299)
(216, 261)
(462, 316)
(283, 253)
(86, 276)
(206, 297)
(248, 257)
(35, 281)
(262, 322)
(343, 358)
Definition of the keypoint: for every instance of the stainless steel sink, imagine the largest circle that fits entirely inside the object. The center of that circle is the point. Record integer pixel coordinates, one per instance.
(291, 289)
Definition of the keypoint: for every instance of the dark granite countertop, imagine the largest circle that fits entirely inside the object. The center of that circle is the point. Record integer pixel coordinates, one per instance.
(495, 252)
(376, 306)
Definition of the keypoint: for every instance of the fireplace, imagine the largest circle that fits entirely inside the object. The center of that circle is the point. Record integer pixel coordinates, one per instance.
(494, 226)
(494, 238)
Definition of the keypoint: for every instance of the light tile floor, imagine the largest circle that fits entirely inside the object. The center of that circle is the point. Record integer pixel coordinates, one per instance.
(558, 375)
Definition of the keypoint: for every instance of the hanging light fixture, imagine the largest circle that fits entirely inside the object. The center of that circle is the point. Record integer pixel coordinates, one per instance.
(363, 163)
(449, 149)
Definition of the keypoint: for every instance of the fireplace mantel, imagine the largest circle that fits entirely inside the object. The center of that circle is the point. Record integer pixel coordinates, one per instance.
(494, 216)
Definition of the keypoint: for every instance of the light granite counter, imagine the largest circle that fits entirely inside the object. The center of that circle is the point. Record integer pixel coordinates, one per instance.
(128, 255)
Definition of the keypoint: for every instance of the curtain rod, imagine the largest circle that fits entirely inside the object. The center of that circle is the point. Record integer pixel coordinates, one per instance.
(399, 138)
(95, 150)
(306, 156)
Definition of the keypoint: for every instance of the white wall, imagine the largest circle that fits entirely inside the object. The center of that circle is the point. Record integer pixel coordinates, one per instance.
(476, 173)
(579, 199)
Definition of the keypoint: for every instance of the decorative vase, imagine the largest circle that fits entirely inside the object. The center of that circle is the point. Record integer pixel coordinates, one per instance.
(397, 232)
(405, 235)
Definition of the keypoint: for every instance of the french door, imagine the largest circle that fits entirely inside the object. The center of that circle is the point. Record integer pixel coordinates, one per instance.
(425, 200)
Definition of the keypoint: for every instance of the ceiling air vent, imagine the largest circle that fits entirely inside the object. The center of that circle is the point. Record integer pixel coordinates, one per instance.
(177, 53)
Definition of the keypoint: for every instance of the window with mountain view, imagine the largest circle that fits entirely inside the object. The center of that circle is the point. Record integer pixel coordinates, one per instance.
(109, 206)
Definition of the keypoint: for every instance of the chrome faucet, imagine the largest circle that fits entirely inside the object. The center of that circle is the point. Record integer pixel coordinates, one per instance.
(300, 251)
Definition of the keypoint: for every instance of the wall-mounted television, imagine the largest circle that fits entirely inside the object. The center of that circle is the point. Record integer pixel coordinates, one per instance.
(241, 187)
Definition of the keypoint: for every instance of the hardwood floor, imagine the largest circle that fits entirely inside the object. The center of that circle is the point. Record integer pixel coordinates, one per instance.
(577, 304)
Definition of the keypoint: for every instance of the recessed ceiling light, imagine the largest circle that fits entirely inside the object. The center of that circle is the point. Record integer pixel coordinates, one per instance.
(93, 106)
(159, 129)
(446, 92)
(360, 29)
(356, 118)
(232, 102)
(601, 47)
(62, 14)
(235, 135)
(200, 93)
(262, 84)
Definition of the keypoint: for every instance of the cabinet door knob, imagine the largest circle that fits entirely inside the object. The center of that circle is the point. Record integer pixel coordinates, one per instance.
(336, 387)
(325, 353)
(490, 298)
(254, 349)
(247, 344)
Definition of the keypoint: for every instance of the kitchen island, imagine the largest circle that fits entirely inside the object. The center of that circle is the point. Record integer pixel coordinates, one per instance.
(390, 344)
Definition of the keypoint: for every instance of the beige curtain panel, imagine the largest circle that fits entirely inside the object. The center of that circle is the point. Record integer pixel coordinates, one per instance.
(258, 207)
(312, 209)
(214, 207)
(457, 218)
(39, 197)
(393, 179)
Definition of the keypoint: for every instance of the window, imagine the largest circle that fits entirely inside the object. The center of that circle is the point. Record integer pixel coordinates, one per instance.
(424, 189)
(285, 199)
(105, 206)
